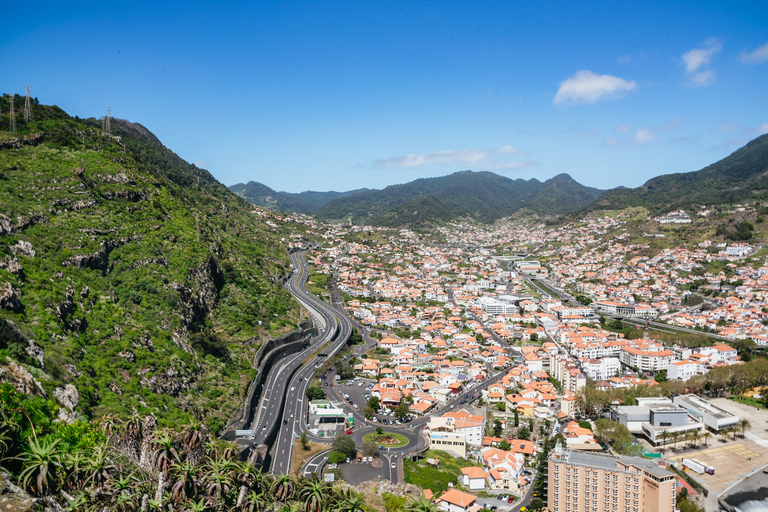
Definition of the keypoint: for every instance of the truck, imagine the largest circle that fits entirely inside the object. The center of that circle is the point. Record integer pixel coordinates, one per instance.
(694, 465)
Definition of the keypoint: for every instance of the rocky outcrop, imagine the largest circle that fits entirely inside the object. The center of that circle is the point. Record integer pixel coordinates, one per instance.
(20, 142)
(64, 311)
(9, 297)
(23, 248)
(68, 398)
(8, 227)
(20, 378)
(208, 280)
(11, 334)
(15, 499)
(11, 264)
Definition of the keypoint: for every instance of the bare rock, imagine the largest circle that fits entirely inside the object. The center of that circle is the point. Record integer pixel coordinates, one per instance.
(23, 248)
(9, 297)
(11, 263)
(68, 398)
(20, 378)
(15, 499)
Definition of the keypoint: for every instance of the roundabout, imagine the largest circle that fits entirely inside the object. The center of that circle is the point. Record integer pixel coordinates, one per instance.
(386, 439)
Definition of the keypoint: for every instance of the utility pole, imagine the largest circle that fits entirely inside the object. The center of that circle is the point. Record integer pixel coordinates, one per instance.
(13, 115)
(27, 108)
(108, 127)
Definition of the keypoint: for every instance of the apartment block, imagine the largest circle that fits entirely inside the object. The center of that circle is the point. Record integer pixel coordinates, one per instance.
(590, 482)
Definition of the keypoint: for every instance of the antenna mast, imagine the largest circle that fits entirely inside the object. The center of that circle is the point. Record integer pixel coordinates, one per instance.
(13, 115)
(27, 108)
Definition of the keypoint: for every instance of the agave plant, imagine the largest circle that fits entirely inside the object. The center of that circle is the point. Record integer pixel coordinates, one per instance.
(41, 463)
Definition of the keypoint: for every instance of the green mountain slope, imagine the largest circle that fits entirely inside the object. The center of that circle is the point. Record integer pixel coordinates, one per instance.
(144, 281)
(483, 196)
(303, 202)
(742, 176)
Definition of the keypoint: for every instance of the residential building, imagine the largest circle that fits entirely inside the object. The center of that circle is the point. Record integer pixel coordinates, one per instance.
(590, 482)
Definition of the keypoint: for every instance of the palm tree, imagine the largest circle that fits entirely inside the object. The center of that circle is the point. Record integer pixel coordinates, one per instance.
(40, 465)
(696, 437)
(689, 437)
(675, 438)
(665, 435)
(744, 426)
(707, 435)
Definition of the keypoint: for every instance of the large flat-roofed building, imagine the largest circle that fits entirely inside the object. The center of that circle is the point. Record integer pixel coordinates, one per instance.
(590, 482)
(654, 415)
(712, 416)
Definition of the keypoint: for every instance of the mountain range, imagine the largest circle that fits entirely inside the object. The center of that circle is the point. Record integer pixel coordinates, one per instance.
(304, 202)
(487, 197)
(426, 202)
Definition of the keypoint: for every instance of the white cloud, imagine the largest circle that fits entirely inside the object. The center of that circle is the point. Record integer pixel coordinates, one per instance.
(703, 78)
(611, 142)
(497, 159)
(672, 124)
(441, 157)
(623, 128)
(200, 164)
(698, 57)
(763, 128)
(587, 87)
(757, 56)
(509, 150)
(644, 135)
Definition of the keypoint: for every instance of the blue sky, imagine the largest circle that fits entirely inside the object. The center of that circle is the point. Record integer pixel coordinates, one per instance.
(341, 95)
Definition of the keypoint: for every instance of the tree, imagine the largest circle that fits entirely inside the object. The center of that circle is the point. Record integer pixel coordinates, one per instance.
(304, 442)
(315, 393)
(665, 435)
(517, 418)
(504, 445)
(661, 376)
(536, 504)
(374, 403)
(523, 433)
(379, 431)
(369, 449)
(402, 410)
(336, 457)
(501, 406)
(346, 445)
(744, 426)
(497, 429)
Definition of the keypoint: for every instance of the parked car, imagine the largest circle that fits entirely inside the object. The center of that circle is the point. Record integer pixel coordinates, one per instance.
(394, 465)
(348, 432)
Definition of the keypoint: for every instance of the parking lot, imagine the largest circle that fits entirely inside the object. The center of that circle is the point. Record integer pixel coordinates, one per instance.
(359, 393)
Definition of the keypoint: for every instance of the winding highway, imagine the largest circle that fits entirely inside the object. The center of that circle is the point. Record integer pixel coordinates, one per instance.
(288, 407)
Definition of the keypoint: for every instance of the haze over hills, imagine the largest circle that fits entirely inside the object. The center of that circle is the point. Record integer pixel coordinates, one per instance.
(129, 272)
(483, 196)
(741, 176)
(303, 202)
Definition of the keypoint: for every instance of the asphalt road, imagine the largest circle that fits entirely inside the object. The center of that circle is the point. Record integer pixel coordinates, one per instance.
(336, 327)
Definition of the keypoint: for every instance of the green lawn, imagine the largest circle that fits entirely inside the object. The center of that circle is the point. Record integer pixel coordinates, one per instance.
(373, 438)
(436, 479)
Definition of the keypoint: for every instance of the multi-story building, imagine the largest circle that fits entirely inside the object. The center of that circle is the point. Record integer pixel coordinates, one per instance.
(590, 482)
(601, 369)
(646, 360)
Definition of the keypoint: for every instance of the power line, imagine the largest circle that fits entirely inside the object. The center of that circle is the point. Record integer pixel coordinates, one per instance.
(27, 108)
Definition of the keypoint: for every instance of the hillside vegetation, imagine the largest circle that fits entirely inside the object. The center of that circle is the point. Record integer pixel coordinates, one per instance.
(740, 177)
(304, 202)
(128, 272)
(481, 196)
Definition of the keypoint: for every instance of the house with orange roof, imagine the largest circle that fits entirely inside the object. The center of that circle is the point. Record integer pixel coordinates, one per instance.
(454, 500)
(473, 478)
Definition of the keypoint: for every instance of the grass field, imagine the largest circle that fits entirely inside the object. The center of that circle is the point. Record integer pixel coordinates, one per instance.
(373, 438)
(436, 479)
